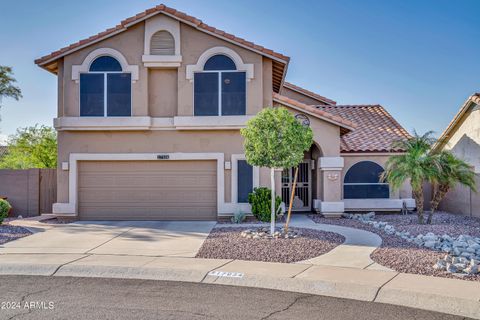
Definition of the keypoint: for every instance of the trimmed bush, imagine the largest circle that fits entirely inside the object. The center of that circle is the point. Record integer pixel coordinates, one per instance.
(260, 199)
(4, 209)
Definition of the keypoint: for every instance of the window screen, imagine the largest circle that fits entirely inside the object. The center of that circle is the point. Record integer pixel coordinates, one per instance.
(362, 181)
(219, 62)
(244, 181)
(233, 93)
(206, 94)
(118, 94)
(91, 95)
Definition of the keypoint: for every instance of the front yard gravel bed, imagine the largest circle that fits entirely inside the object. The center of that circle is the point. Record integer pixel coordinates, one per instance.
(227, 243)
(398, 254)
(10, 233)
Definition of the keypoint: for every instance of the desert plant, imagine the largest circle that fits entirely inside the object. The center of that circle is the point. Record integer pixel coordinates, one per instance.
(275, 139)
(259, 199)
(452, 171)
(4, 209)
(239, 217)
(416, 164)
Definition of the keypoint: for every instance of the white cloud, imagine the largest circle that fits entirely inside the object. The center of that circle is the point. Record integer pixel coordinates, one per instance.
(3, 139)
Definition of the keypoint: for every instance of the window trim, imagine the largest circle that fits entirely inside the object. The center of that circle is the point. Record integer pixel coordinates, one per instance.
(220, 72)
(241, 66)
(85, 66)
(234, 177)
(364, 183)
(105, 91)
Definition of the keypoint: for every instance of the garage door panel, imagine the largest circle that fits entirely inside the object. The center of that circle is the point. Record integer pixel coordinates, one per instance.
(136, 190)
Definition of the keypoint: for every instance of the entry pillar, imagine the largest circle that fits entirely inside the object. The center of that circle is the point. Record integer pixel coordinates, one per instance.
(331, 203)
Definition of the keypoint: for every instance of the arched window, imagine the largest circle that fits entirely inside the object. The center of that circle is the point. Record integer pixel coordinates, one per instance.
(162, 43)
(362, 181)
(105, 91)
(220, 89)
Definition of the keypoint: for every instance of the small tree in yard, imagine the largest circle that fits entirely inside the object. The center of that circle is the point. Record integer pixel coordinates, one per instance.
(416, 165)
(275, 139)
(452, 171)
(32, 147)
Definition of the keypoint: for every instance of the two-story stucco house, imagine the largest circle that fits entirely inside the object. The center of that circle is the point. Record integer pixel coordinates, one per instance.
(149, 118)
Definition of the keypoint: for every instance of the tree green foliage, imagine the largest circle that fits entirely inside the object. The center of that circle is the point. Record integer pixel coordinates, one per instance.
(416, 165)
(260, 201)
(4, 209)
(275, 139)
(452, 171)
(31, 147)
(7, 87)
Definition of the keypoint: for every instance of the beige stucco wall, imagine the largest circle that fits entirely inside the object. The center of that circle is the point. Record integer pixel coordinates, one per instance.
(227, 141)
(130, 44)
(193, 44)
(465, 140)
(162, 88)
(300, 97)
(404, 192)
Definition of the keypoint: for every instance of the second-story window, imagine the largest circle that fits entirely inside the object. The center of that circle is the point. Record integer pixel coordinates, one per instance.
(105, 91)
(220, 89)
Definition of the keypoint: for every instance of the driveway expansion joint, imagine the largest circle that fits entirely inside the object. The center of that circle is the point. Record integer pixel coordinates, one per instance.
(66, 263)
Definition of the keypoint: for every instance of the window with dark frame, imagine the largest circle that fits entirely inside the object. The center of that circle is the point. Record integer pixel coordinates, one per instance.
(244, 181)
(105, 91)
(362, 181)
(219, 89)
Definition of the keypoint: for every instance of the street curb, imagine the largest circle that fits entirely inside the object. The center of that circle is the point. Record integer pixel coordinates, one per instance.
(457, 297)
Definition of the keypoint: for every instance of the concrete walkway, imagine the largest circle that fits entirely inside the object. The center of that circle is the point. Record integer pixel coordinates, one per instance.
(353, 253)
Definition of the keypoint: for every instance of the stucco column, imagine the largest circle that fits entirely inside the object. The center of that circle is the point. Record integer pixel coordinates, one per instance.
(331, 203)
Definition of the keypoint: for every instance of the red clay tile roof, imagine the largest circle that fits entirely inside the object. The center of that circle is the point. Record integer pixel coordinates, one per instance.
(327, 116)
(376, 129)
(170, 12)
(458, 119)
(306, 92)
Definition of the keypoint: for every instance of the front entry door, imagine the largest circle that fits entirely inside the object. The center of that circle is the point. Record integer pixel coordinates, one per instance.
(303, 194)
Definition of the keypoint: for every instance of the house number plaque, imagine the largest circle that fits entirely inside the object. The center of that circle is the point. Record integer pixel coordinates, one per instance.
(163, 157)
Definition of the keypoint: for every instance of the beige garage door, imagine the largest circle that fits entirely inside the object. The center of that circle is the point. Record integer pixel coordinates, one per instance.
(147, 190)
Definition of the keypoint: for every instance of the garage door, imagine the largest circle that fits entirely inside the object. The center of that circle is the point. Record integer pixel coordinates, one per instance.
(147, 190)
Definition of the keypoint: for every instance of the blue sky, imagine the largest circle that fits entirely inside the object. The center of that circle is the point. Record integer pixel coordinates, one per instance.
(418, 58)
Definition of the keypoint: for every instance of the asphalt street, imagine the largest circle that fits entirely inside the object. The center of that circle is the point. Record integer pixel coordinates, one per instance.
(29, 297)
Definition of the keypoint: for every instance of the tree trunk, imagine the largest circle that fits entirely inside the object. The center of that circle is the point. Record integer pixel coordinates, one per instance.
(291, 199)
(418, 195)
(437, 197)
(272, 216)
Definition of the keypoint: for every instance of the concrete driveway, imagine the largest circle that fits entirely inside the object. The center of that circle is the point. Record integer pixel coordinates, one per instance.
(143, 238)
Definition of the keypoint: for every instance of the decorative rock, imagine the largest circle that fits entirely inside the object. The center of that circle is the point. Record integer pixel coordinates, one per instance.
(460, 266)
(440, 265)
(429, 244)
(471, 269)
(451, 268)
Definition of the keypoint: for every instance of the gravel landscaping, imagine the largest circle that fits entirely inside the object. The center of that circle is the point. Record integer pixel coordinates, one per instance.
(228, 243)
(402, 256)
(10, 233)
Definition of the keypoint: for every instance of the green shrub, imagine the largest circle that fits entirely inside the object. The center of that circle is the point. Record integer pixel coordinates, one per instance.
(260, 200)
(4, 209)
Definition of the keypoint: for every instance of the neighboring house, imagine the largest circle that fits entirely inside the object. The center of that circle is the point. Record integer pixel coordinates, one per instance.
(148, 124)
(462, 137)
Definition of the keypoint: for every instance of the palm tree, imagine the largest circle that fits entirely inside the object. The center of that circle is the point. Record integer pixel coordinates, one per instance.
(452, 171)
(416, 165)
